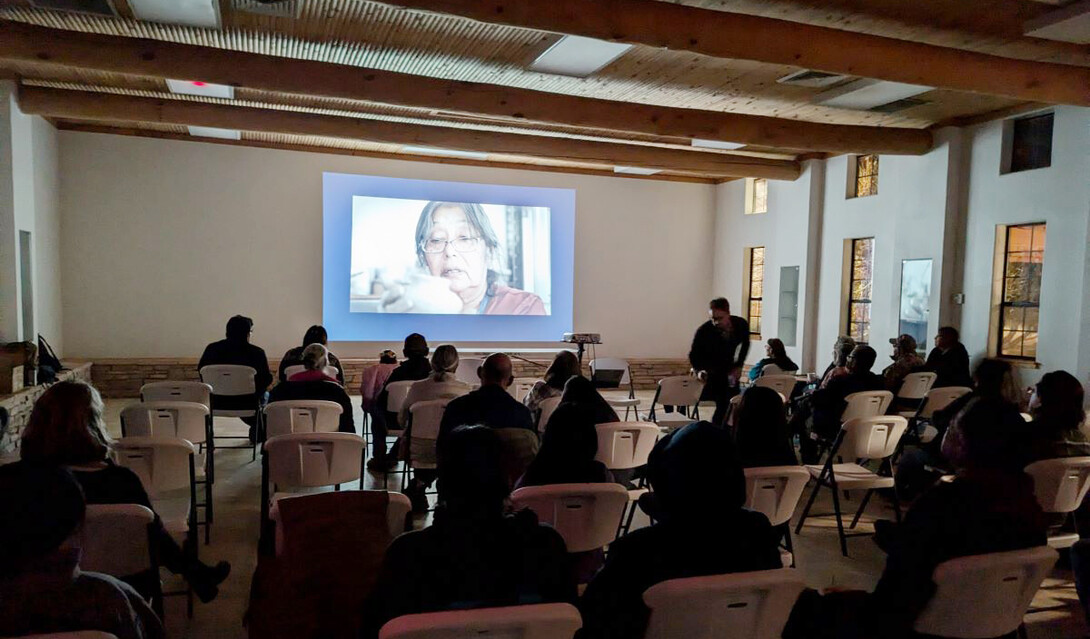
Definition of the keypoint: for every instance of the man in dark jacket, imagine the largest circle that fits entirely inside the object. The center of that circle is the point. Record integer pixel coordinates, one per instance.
(238, 350)
(490, 405)
(949, 359)
(717, 355)
(315, 358)
(414, 367)
(828, 403)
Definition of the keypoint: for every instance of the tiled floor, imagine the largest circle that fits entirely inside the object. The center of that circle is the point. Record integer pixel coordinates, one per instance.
(234, 538)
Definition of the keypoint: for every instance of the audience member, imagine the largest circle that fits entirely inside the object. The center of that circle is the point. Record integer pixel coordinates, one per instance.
(373, 379)
(565, 366)
(569, 446)
(1057, 410)
(717, 355)
(42, 589)
(581, 391)
(490, 405)
(312, 383)
(760, 430)
(415, 367)
(905, 361)
(701, 528)
(776, 354)
(828, 403)
(949, 360)
(839, 366)
(66, 429)
(236, 349)
(294, 357)
(473, 556)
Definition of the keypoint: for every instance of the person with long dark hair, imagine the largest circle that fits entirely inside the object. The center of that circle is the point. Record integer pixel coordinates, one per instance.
(294, 356)
(568, 450)
(776, 354)
(564, 367)
(760, 430)
(581, 391)
(1057, 410)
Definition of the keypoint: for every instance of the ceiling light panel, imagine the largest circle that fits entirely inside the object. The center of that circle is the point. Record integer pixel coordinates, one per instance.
(635, 170)
(190, 13)
(578, 56)
(716, 144)
(867, 94)
(206, 89)
(427, 150)
(213, 132)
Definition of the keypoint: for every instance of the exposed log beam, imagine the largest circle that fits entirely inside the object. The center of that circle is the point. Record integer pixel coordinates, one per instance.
(745, 37)
(89, 105)
(28, 43)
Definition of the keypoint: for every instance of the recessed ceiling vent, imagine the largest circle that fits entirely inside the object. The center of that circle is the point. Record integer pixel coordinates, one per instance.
(274, 8)
(813, 79)
(96, 7)
(897, 105)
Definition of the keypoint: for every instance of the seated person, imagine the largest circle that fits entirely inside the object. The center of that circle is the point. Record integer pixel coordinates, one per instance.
(373, 379)
(581, 391)
(565, 366)
(905, 361)
(312, 383)
(294, 357)
(701, 529)
(760, 430)
(66, 429)
(490, 405)
(42, 589)
(236, 349)
(775, 353)
(414, 367)
(949, 360)
(473, 556)
(827, 404)
(839, 366)
(1057, 412)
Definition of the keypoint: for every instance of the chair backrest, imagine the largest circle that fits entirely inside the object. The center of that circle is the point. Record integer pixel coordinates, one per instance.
(771, 369)
(680, 390)
(310, 460)
(548, 407)
(866, 404)
(397, 510)
(1060, 484)
(585, 515)
(396, 394)
(612, 364)
(782, 384)
(198, 392)
(521, 386)
(163, 464)
(302, 416)
(330, 371)
(623, 445)
(427, 416)
(538, 621)
(467, 370)
(115, 539)
(916, 385)
(940, 398)
(996, 589)
(872, 437)
(775, 491)
(230, 379)
(184, 420)
(754, 605)
(732, 417)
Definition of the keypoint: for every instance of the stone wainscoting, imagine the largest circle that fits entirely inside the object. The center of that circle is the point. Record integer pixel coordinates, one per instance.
(20, 404)
(123, 377)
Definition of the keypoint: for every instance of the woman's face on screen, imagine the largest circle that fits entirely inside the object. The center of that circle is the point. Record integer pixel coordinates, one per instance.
(466, 270)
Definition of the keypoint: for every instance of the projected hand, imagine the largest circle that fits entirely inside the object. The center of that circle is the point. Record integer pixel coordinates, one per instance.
(421, 294)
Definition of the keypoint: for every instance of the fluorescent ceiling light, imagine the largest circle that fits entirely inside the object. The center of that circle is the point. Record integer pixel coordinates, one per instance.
(716, 144)
(190, 13)
(427, 150)
(196, 87)
(867, 94)
(578, 56)
(1070, 23)
(213, 132)
(635, 170)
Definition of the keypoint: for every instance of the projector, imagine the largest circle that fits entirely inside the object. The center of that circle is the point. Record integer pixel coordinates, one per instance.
(582, 338)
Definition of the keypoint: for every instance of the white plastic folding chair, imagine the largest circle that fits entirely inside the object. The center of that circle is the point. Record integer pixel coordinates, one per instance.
(984, 595)
(782, 384)
(230, 380)
(467, 371)
(771, 369)
(198, 392)
(1060, 486)
(521, 386)
(537, 621)
(625, 446)
(117, 540)
(682, 392)
(866, 404)
(913, 391)
(861, 439)
(630, 403)
(396, 395)
(426, 418)
(775, 491)
(754, 605)
(936, 400)
(585, 515)
(547, 407)
(397, 509)
(302, 416)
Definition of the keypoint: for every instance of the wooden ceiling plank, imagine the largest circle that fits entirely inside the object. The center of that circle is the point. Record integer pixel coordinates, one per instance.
(20, 42)
(89, 105)
(746, 37)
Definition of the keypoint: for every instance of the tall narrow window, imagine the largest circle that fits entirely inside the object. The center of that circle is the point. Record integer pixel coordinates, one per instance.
(861, 281)
(866, 175)
(1019, 310)
(756, 290)
(1031, 143)
(756, 196)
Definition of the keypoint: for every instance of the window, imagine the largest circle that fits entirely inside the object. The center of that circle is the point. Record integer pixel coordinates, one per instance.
(1030, 143)
(860, 283)
(756, 196)
(756, 290)
(1019, 308)
(865, 180)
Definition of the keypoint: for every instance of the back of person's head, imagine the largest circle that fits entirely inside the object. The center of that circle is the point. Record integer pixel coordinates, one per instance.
(497, 369)
(949, 334)
(1059, 401)
(43, 507)
(995, 379)
(719, 304)
(987, 434)
(315, 335)
(844, 348)
(472, 482)
(693, 467)
(862, 359)
(760, 420)
(571, 434)
(415, 346)
(238, 328)
(66, 426)
(779, 351)
(579, 390)
(444, 359)
(565, 366)
(905, 345)
(387, 357)
(315, 357)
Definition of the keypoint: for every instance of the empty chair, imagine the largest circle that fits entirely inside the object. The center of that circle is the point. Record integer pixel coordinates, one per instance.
(754, 605)
(397, 510)
(302, 416)
(538, 621)
(775, 491)
(231, 380)
(631, 403)
(782, 384)
(585, 515)
(1060, 486)
(984, 595)
(467, 371)
(198, 392)
(426, 418)
(624, 446)
(116, 540)
(548, 407)
(521, 386)
(681, 391)
(913, 392)
(866, 404)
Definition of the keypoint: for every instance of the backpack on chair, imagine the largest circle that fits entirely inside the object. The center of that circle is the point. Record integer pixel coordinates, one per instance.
(48, 362)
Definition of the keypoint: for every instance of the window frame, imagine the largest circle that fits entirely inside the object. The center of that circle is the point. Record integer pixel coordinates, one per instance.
(1002, 304)
(854, 176)
(850, 298)
(749, 297)
(751, 196)
(1007, 163)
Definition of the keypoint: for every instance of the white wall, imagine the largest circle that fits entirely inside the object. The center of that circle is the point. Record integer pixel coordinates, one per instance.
(164, 240)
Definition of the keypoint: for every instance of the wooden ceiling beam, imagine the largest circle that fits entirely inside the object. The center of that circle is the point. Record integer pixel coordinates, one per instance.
(746, 37)
(21, 42)
(89, 105)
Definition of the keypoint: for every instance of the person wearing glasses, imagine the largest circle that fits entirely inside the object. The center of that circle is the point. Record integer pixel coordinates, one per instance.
(459, 254)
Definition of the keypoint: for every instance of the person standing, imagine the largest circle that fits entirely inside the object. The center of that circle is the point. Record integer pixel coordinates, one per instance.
(718, 352)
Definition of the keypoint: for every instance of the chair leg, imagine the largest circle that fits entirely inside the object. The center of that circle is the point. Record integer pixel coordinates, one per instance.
(896, 504)
(839, 520)
(788, 545)
(809, 504)
(862, 507)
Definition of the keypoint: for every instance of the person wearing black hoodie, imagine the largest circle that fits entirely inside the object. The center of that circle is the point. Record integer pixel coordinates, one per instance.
(949, 360)
(236, 349)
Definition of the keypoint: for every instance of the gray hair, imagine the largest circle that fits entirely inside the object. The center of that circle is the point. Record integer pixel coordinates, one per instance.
(477, 220)
(444, 360)
(315, 357)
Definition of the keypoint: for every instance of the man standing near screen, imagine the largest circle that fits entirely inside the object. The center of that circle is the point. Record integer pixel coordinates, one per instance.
(718, 352)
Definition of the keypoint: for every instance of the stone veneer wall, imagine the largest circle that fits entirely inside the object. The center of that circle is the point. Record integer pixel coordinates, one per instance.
(123, 377)
(20, 404)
